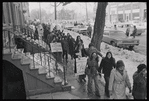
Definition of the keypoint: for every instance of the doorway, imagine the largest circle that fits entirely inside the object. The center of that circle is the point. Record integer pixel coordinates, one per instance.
(13, 82)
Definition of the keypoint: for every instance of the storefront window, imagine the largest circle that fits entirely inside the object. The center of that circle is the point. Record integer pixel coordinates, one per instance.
(136, 6)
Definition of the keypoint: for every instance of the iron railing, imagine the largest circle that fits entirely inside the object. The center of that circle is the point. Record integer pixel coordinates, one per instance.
(9, 41)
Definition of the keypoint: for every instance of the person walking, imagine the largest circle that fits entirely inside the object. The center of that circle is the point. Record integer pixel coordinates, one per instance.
(139, 82)
(36, 35)
(118, 81)
(89, 29)
(71, 43)
(134, 32)
(78, 54)
(65, 48)
(92, 64)
(50, 37)
(106, 65)
(127, 31)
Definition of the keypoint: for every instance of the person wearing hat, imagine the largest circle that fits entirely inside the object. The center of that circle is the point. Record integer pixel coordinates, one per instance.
(139, 82)
(118, 81)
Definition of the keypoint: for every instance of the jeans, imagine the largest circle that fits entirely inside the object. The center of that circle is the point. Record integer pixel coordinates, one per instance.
(90, 82)
(106, 85)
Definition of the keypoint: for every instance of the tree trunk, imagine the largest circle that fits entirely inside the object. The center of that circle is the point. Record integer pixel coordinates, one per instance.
(99, 24)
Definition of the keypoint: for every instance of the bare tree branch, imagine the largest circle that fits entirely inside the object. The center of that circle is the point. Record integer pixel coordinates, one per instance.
(58, 4)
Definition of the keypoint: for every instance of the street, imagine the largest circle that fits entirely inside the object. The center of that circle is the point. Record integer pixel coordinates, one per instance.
(142, 47)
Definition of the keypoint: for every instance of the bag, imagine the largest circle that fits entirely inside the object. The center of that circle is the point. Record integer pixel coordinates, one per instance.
(102, 80)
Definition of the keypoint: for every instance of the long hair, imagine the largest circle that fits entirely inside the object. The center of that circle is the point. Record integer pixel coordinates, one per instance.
(77, 39)
(108, 53)
(91, 58)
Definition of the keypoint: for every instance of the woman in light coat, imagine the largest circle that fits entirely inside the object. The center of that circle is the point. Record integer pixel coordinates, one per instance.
(118, 81)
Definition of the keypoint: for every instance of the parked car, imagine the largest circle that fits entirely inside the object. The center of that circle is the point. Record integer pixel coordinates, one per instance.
(117, 38)
(123, 26)
(69, 27)
(109, 25)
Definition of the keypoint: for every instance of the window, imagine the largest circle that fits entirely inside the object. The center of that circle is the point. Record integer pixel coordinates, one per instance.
(136, 6)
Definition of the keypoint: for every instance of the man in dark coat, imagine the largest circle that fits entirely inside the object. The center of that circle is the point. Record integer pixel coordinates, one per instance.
(89, 29)
(134, 32)
(71, 43)
(65, 47)
(140, 83)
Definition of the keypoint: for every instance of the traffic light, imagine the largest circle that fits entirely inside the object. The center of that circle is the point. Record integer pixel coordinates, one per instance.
(65, 3)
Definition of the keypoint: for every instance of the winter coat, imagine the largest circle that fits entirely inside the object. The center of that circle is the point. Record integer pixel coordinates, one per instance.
(77, 49)
(93, 66)
(139, 86)
(127, 31)
(118, 84)
(65, 45)
(106, 66)
(71, 43)
(134, 31)
(50, 37)
(36, 35)
(89, 29)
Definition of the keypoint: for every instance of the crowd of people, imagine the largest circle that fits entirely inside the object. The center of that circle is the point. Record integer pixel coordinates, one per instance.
(115, 74)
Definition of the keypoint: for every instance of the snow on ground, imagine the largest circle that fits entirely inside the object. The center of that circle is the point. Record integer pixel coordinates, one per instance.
(130, 58)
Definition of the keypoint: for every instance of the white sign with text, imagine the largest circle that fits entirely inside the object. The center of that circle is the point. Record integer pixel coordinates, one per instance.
(56, 47)
(81, 65)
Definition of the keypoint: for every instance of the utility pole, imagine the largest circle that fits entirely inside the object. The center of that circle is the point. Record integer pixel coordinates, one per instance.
(55, 10)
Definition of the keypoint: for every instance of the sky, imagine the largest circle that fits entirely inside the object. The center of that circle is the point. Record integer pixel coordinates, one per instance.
(79, 7)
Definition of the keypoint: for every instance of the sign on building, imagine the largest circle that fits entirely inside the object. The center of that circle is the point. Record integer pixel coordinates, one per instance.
(56, 47)
(80, 65)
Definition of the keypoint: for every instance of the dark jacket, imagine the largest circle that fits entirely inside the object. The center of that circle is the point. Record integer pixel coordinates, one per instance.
(71, 43)
(50, 37)
(106, 66)
(134, 32)
(77, 49)
(36, 35)
(139, 86)
(65, 45)
(93, 66)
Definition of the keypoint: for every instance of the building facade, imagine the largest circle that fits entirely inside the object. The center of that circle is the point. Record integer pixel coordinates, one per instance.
(126, 11)
(15, 13)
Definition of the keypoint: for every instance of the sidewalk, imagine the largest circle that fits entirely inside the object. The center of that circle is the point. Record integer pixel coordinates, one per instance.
(79, 90)
(57, 95)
